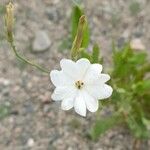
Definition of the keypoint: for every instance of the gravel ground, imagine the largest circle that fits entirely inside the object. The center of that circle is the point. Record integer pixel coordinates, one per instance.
(35, 122)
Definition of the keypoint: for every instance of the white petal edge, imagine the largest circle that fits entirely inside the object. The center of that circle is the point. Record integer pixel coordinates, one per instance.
(55, 77)
(100, 92)
(83, 61)
(69, 67)
(97, 68)
(83, 64)
(67, 103)
(58, 78)
(79, 105)
(104, 78)
(93, 73)
(106, 91)
(91, 102)
(61, 93)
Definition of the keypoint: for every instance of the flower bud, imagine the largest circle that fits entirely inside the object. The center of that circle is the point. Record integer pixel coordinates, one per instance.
(79, 37)
(9, 20)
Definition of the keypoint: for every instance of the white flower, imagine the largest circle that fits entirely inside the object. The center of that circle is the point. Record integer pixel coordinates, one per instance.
(80, 85)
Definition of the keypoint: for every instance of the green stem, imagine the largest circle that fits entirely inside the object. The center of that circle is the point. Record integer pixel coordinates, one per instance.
(27, 61)
(9, 22)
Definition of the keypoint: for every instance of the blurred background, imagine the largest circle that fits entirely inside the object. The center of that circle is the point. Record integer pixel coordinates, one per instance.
(28, 117)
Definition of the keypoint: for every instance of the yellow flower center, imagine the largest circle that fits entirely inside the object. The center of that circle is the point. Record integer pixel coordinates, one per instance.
(79, 84)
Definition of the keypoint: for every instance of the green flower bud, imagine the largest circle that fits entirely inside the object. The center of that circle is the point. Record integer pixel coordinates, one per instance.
(9, 20)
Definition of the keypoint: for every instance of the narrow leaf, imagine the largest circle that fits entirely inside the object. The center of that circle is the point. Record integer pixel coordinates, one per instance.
(95, 54)
(104, 124)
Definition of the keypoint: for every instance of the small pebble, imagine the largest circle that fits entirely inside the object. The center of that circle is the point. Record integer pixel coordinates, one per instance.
(41, 42)
(4, 81)
(137, 44)
(30, 142)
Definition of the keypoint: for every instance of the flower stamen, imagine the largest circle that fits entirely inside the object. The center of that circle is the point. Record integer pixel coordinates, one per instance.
(79, 84)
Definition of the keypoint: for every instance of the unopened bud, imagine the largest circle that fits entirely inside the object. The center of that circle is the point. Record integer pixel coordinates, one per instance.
(79, 37)
(9, 20)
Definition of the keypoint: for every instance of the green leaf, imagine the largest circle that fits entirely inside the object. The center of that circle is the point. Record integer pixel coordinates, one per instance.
(138, 58)
(85, 55)
(142, 86)
(104, 124)
(4, 111)
(131, 84)
(127, 52)
(2, 9)
(137, 127)
(134, 7)
(76, 14)
(146, 122)
(95, 54)
(124, 66)
(86, 37)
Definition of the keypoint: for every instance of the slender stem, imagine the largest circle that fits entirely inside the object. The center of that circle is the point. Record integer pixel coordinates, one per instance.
(27, 61)
(9, 22)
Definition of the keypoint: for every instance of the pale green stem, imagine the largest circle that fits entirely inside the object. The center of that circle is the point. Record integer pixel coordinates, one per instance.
(26, 60)
(9, 22)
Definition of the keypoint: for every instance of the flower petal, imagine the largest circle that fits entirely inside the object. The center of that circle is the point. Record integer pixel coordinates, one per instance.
(58, 78)
(83, 64)
(63, 92)
(99, 80)
(96, 68)
(104, 78)
(67, 103)
(106, 91)
(93, 72)
(69, 67)
(91, 102)
(79, 105)
(100, 91)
